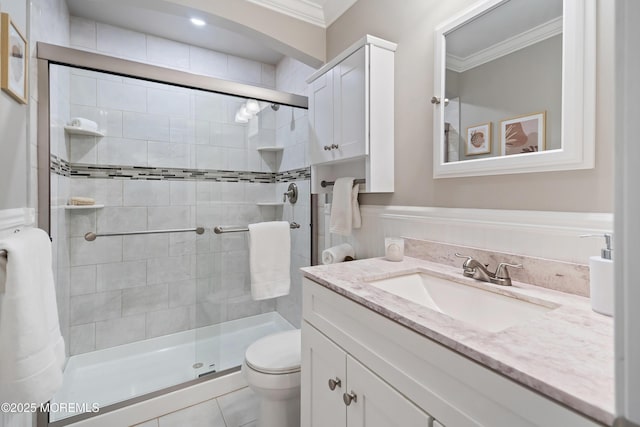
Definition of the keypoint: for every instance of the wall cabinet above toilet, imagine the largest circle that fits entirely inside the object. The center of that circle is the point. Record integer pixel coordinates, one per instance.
(351, 117)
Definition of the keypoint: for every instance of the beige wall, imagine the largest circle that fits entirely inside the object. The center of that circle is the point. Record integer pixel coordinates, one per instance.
(14, 159)
(490, 93)
(411, 24)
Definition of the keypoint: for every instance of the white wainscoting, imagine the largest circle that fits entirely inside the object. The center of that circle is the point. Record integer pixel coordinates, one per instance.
(552, 235)
(15, 219)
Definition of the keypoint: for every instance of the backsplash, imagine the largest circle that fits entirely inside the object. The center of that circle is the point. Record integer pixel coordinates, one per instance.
(548, 244)
(557, 275)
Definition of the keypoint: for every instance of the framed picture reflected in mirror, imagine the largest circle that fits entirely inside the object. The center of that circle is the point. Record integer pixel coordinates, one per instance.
(478, 139)
(523, 134)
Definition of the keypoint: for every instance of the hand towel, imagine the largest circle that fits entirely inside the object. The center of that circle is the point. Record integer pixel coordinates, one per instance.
(355, 207)
(337, 253)
(269, 259)
(33, 354)
(345, 211)
(82, 123)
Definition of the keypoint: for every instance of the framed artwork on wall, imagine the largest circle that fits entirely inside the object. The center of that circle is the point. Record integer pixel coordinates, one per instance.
(14, 54)
(478, 139)
(523, 134)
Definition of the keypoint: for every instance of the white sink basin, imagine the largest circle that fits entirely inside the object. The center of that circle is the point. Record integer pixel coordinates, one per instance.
(481, 308)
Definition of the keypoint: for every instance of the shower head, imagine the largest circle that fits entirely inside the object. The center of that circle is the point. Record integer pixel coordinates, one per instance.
(275, 107)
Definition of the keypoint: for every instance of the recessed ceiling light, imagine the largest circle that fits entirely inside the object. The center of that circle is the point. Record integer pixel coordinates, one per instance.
(198, 22)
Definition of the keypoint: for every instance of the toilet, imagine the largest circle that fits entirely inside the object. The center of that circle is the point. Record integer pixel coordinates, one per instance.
(272, 369)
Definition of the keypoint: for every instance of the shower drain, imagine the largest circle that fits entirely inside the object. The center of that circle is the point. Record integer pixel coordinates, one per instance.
(198, 365)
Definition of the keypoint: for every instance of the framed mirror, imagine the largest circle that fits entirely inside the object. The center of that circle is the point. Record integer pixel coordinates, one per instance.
(514, 88)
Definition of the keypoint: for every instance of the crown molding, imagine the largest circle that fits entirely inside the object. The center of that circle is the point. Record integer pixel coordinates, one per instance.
(510, 45)
(304, 10)
(321, 13)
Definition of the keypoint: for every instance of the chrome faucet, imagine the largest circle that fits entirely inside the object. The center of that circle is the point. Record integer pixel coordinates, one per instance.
(476, 270)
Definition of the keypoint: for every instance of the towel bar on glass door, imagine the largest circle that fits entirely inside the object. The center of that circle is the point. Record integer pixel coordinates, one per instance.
(325, 184)
(91, 236)
(236, 228)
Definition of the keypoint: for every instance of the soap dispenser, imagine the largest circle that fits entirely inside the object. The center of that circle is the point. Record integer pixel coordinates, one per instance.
(601, 277)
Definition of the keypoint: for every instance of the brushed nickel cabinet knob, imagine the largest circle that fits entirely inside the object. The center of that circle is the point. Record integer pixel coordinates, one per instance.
(349, 397)
(333, 383)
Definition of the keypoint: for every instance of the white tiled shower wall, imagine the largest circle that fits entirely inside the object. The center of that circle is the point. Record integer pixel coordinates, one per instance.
(157, 125)
(119, 42)
(124, 289)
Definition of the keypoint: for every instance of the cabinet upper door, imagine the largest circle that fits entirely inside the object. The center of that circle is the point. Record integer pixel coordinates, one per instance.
(351, 106)
(322, 361)
(377, 404)
(321, 118)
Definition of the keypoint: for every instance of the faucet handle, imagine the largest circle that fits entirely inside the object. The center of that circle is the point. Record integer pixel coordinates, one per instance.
(502, 276)
(468, 258)
(468, 271)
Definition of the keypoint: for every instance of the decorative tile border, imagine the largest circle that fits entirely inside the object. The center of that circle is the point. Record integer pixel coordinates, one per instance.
(77, 170)
(59, 166)
(293, 175)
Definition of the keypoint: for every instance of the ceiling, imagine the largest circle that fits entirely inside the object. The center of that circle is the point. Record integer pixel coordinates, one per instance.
(167, 20)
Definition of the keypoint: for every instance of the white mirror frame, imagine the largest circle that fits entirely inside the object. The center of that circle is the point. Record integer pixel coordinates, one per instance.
(578, 99)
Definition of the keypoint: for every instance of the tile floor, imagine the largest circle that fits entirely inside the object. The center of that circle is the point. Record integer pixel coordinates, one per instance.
(236, 409)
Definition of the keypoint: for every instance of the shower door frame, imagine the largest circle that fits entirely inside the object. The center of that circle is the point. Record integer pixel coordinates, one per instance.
(48, 54)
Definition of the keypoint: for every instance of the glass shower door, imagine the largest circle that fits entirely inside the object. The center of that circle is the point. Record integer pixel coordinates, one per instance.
(264, 155)
(131, 152)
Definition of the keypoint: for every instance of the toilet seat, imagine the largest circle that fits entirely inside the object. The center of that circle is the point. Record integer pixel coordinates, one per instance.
(275, 354)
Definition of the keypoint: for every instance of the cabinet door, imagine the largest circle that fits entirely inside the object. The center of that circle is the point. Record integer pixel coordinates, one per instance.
(322, 361)
(351, 106)
(321, 118)
(377, 404)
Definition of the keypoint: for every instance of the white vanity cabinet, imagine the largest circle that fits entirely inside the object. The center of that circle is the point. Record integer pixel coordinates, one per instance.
(402, 378)
(342, 392)
(351, 116)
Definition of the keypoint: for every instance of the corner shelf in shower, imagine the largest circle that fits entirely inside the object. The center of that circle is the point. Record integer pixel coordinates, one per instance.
(276, 204)
(82, 207)
(272, 148)
(81, 131)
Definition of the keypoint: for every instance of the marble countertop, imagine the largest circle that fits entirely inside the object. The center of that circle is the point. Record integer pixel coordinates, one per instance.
(566, 353)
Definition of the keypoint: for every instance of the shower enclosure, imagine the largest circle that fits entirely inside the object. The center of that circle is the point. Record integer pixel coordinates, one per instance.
(150, 297)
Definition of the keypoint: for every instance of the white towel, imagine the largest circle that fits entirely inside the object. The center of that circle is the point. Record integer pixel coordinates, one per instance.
(337, 253)
(82, 123)
(33, 354)
(345, 211)
(269, 259)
